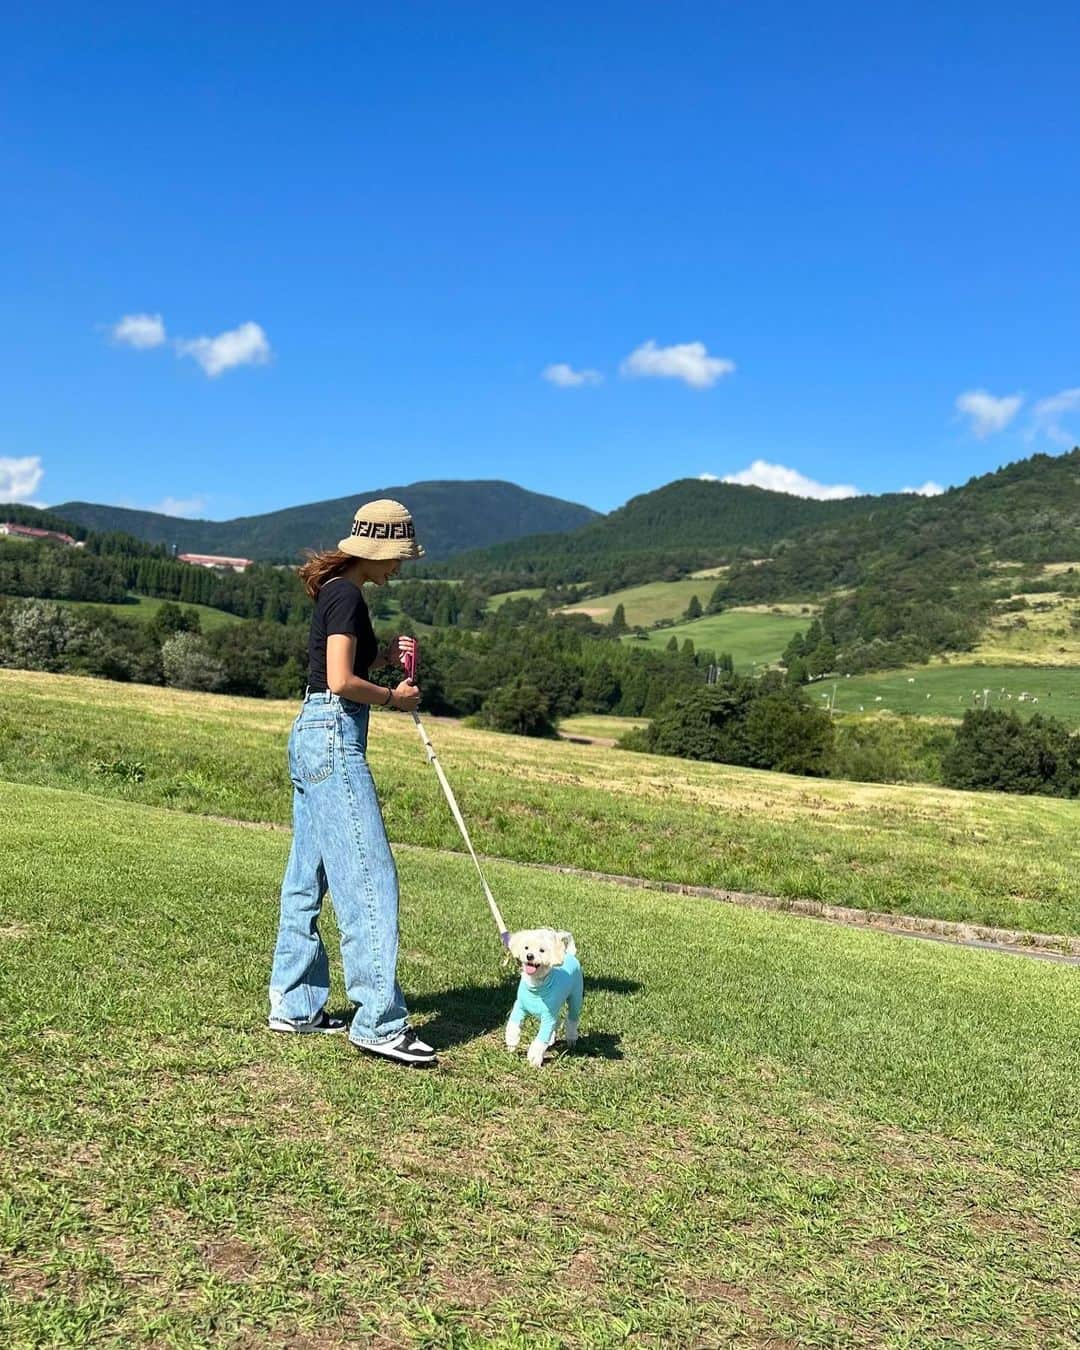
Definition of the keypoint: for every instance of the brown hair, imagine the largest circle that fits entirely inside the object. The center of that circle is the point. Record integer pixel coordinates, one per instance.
(323, 567)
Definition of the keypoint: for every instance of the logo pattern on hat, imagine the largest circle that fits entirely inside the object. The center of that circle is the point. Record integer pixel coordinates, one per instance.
(383, 529)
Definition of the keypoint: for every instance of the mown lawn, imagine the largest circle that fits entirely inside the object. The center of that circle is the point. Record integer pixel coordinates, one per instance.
(750, 637)
(774, 1132)
(142, 608)
(948, 691)
(651, 601)
(986, 857)
(601, 724)
(525, 593)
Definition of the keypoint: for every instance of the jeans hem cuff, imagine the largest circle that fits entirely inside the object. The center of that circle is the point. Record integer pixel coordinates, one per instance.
(376, 1040)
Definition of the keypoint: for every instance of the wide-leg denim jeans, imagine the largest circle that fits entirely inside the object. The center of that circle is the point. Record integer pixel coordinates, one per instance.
(339, 842)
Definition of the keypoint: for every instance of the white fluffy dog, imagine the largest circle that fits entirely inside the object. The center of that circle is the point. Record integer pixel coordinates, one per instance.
(551, 980)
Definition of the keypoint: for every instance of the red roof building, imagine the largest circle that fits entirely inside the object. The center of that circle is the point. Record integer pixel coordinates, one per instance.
(213, 560)
(32, 532)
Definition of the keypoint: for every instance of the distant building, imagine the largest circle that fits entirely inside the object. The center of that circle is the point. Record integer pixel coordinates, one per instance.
(220, 564)
(32, 532)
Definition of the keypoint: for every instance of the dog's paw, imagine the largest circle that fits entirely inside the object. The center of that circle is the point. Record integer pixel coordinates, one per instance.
(513, 1036)
(571, 1032)
(536, 1053)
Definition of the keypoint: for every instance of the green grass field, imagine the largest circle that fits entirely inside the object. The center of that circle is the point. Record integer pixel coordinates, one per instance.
(752, 637)
(142, 609)
(773, 1132)
(985, 857)
(654, 600)
(599, 724)
(526, 593)
(948, 691)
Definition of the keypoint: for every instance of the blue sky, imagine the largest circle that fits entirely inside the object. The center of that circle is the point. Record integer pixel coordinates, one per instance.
(358, 235)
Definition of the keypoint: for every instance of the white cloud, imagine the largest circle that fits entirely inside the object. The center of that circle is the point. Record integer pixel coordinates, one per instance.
(179, 506)
(19, 478)
(566, 377)
(247, 345)
(139, 330)
(1047, 414)
(928, 489)
(779, 478)
(686, 361)
(988, 414)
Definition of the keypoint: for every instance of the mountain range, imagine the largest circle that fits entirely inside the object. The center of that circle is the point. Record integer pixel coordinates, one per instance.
(451, 516)
(1028, 509)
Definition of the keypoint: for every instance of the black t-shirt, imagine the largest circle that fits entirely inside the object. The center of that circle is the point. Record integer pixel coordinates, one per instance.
(340, 608)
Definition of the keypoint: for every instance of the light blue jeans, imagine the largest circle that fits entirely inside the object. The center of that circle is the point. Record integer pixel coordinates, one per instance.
(339, 843)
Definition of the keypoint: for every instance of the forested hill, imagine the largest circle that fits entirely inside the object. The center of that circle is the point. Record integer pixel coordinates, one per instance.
(691, 522)
(1028, 511)
(450, 516)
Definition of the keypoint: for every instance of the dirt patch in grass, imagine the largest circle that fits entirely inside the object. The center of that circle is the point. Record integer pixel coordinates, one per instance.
(230, 1258)
(25, 1283)
(471, 1289)
(583, 1271)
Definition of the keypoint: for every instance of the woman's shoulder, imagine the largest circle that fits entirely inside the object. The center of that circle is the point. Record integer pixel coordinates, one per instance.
(339, 590)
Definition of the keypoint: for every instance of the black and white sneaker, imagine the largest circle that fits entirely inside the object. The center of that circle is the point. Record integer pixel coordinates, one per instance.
(407, 1048)
(322, 1023)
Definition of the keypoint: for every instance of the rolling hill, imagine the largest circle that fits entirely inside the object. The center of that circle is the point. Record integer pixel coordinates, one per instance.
(688, 522)
(450, 516)
(1028, 510)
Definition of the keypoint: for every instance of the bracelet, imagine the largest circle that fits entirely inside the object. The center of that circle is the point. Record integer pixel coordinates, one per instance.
(388, 699)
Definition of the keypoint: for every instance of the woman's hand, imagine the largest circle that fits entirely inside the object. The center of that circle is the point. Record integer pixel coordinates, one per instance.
(406, 697)
(398, 648)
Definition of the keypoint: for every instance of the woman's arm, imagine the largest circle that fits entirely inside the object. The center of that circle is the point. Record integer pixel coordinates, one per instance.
(340, 654)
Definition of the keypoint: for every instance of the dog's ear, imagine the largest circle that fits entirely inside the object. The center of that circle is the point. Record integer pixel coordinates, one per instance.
(569, 945)
(514, 945)
(558, 942)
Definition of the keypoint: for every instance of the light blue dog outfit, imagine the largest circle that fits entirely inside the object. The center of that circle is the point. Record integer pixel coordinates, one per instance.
(564, 984)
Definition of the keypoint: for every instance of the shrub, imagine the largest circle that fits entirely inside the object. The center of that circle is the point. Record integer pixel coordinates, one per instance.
(757, 723)
(787, 735)
(188, 664)
(999, 751)
(889, 748)
(37, 635)
(518, 707)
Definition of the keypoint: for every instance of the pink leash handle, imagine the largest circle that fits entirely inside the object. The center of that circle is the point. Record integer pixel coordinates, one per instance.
(410, 661)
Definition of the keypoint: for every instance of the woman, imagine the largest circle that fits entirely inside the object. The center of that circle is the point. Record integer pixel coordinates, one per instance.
(339, 840)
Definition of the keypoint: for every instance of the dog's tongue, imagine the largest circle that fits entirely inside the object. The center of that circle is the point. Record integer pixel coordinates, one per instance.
(530, 970)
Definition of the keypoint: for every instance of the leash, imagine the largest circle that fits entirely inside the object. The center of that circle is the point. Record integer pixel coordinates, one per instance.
(410, 661)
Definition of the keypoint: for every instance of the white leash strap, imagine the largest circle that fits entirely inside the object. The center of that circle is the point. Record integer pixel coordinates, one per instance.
(434, 762)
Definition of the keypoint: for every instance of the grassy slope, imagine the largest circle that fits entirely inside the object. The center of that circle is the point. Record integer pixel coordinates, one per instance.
(1042, 633)
(143, 609)
(750, 636)
(601, 724)
(774, 1132)
(525, 593)
(954, 688)
(654, 600)
(987, 857)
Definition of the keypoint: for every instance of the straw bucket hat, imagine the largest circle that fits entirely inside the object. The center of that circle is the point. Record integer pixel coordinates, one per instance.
(382, 530)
